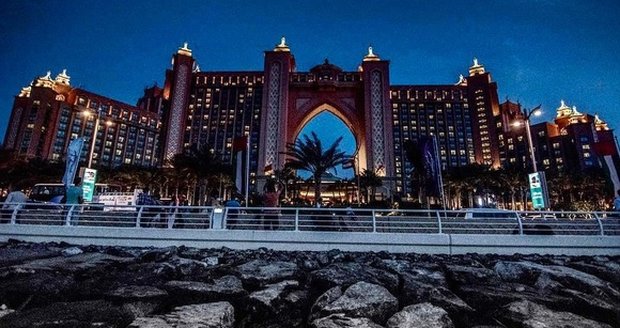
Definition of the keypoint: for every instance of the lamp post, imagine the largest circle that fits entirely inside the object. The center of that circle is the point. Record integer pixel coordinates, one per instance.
(91, 149)
(536, 111)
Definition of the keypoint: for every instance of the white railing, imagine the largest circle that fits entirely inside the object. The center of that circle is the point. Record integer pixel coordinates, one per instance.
(296, 219)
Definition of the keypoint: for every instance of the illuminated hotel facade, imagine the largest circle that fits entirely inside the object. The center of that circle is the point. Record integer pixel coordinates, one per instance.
(271, 107)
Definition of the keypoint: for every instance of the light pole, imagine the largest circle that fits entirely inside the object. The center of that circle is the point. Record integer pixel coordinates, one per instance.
(527, 114)
(91, 150)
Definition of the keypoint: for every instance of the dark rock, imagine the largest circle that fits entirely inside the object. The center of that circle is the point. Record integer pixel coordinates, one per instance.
(527, 314)
(209, 315)
(140, 300)
(16, 252)
(37, 288)
(278, 305)
(339, 320)
(418, 291)
(420, 315)
(188, 292)
(71, 314)
(71, 251)
(361, 300)
(257, 273)
(467, 275)
(347, 274)
(4, 310)
(158, 254)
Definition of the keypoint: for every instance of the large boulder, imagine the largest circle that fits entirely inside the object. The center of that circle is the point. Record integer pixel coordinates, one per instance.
(140, 300)
(360, 300)
(528, 272)
(527, 314)
(339, 320)
(257, 273)
(189, 292)
(349, 273)
(470, 275)
(70, 314)
(281, 304)
(208, 315)
(421, 315)
(16, 253)
(416, 290)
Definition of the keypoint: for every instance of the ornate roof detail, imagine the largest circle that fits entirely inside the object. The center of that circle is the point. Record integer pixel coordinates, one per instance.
(371, 56)
(25, 92)
(63, 78)
(563, 110)
(599, 124)
(45, 81)
(282, 46)
(185, 50)
(462, 81)
(476, 68)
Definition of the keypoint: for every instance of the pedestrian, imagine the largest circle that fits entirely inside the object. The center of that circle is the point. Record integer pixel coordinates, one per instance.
(617, 201)
(74, 195)
(148, 205)
(271, 200)
(232, 206)
(13, 200)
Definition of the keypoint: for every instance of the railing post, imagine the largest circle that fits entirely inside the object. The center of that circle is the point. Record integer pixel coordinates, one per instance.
(374, 222)
(139, 216)
(297, 219)
(520, 224)
(225, 219)
(14, 214)
(439, 223)
(600, 224)
(68, 217)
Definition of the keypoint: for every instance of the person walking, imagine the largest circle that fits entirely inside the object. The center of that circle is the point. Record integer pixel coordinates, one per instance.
(233, 205)
(13, 201)
(271, 199)
(74, 195)
(148, 204)
(617, 201)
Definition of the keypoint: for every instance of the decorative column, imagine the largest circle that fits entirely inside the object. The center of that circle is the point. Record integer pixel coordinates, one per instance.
(179, 89)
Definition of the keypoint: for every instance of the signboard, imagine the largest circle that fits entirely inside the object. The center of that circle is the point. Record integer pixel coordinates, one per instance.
(538, 190)
(88, 184)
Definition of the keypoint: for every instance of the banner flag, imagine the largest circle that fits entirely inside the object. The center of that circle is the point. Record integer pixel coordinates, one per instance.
(240, 144)
(432, 166)
(74, 150)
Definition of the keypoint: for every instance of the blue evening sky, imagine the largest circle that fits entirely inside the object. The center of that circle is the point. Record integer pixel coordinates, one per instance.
(538, 51)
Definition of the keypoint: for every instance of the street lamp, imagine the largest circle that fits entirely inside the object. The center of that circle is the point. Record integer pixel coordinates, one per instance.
(536, 111)
(91, 150)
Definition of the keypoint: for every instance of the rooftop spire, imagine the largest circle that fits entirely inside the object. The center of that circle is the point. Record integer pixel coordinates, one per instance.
(371, 56)
(63, 78)
(282, 46)
(185, 50)
(476, 68)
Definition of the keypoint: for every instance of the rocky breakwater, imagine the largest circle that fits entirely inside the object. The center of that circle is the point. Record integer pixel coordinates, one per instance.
(60, 285)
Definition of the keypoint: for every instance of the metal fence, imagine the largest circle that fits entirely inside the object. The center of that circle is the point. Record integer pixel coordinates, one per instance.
(470, 221)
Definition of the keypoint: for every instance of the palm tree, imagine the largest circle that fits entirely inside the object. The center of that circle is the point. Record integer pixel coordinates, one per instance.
(307, 154)
(370, 181)
(208, 168)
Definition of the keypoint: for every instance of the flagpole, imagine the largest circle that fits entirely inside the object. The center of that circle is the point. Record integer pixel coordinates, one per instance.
(439, 175)
(247, 172)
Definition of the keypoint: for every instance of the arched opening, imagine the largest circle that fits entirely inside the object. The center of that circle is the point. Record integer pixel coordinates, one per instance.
(338, 185)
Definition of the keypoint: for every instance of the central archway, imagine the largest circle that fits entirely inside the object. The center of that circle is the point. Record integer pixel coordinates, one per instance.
(350, 125)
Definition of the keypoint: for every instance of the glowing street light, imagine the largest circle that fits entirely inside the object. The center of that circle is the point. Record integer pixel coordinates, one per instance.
(536, 111)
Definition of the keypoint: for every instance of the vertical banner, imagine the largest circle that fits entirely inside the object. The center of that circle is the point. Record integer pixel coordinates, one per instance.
(74, 150)
(432, 166)
(240, 144)
(538, 190)
(88, 184)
